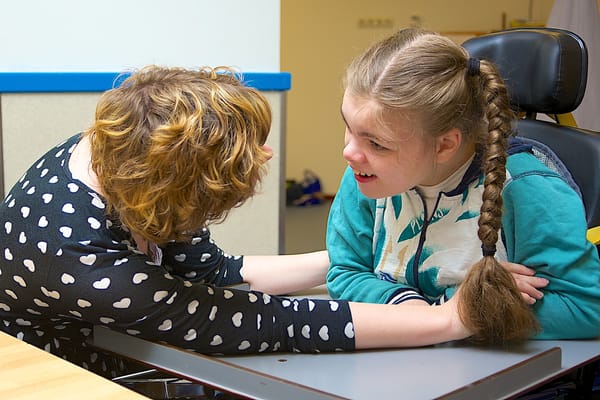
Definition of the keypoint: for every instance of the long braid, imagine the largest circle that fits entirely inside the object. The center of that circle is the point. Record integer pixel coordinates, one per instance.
(492, 307)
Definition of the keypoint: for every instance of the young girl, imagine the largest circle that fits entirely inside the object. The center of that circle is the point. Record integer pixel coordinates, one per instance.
(434, 186)
(110, 228)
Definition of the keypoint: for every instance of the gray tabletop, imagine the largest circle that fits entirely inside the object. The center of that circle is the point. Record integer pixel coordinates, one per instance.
(451, 371)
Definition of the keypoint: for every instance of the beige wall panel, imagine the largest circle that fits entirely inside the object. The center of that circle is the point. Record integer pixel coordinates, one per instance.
(34, 122)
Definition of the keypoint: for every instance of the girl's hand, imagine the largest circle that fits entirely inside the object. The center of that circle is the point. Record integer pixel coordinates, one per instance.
(527, 283)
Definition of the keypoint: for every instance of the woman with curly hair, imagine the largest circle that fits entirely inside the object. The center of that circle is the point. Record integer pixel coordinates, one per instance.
(111, 228)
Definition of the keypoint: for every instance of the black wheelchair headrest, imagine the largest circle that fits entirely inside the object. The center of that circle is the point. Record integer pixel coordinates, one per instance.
(545, 69)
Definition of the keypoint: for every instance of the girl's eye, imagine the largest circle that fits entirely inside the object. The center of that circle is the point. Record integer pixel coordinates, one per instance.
(377, 146)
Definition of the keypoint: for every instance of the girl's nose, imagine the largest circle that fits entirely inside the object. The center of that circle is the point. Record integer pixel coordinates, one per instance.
(351, 152)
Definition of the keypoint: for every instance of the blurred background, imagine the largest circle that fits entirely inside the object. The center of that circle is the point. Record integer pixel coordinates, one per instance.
(319, 38)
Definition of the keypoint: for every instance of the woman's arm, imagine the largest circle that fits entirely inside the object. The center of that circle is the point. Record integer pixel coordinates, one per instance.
(284, 274)
(382, 326)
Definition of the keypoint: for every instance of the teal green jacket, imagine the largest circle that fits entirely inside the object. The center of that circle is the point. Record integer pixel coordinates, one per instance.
(379, 247)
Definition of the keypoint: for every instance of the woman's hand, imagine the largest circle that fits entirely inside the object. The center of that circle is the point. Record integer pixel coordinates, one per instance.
(527, 283)
(458, 325)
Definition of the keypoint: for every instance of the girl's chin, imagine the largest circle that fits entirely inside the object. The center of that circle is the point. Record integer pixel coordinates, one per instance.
(371, 191)
(374, 191)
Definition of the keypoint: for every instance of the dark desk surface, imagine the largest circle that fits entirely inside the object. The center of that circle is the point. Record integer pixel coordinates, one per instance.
(449, 371)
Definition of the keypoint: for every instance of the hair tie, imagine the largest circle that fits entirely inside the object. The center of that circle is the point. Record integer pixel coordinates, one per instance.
(488, 251)
(473, 66)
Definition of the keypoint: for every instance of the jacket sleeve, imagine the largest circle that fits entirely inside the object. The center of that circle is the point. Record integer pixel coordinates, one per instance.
(202, 261)
(125, 291)
(544, 228)
(350, 245)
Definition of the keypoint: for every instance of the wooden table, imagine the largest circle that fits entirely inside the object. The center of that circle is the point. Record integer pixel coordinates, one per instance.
(27, 372)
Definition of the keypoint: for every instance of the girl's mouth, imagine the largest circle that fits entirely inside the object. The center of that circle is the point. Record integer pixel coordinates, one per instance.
(363, 177)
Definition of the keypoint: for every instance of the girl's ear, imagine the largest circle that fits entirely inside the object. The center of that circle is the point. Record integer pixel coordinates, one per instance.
(447, 145)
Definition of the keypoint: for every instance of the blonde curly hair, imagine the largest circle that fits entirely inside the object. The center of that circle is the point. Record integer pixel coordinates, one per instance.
(175, 149)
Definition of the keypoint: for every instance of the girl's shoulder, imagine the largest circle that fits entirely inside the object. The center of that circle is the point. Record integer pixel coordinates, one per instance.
(527, 157)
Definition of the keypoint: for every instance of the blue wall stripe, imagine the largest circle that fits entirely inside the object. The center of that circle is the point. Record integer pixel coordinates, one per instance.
(32, 82)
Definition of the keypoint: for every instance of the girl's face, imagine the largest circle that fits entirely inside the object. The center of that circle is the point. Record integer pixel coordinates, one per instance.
(386, 160)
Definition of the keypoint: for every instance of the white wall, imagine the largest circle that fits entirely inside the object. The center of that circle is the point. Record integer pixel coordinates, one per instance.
(112, 35)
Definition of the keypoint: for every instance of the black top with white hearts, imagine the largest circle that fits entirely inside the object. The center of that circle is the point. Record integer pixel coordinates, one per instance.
(64, 267)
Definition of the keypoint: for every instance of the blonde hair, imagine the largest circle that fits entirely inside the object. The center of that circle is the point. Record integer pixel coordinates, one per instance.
(428, 77)
(175, 149)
